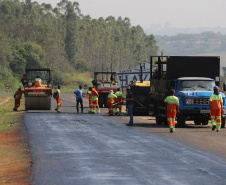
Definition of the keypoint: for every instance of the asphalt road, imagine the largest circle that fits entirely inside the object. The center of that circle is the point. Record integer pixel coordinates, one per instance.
(83, 149)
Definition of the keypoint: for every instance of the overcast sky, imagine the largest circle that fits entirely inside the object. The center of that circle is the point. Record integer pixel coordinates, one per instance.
(176, 13)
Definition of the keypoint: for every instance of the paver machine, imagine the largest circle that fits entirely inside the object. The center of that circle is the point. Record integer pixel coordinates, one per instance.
(38, 98)
(103, 83)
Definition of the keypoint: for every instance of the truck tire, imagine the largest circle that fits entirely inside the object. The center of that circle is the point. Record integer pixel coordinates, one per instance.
(222, 122)
(105, 97)
(197, 121)
(158, 118)
(205, 121)
(181, 120)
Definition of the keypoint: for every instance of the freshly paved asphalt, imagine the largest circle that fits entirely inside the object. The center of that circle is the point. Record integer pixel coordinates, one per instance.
(83, 149)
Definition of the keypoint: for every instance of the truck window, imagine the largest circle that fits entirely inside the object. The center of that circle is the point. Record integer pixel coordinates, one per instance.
(202, 85)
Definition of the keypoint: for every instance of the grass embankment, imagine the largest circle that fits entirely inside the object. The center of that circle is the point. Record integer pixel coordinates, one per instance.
(71, 82)
(14, 152)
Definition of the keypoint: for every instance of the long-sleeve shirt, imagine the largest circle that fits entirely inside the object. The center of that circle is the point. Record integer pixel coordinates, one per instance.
(78, 93)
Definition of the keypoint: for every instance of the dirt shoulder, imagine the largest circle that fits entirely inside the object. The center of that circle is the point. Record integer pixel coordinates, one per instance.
(15, 161)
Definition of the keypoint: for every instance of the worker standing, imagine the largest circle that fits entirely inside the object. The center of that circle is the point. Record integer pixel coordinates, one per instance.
(38, 82)
(56, 96)
(129, 104)
(24, 80)
(89, 92)
(111, 100)
(17, 97)
(216, 108)
(118, 105)
(78, 93)
(172, 109)
(95, 96)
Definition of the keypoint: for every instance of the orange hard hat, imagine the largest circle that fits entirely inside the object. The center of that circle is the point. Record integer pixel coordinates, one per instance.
(128, 87)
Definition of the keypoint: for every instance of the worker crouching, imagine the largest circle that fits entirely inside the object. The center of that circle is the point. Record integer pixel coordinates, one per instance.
(17, 97)
(216, 108)
(56, 96)
(172, 109)
(111, 101)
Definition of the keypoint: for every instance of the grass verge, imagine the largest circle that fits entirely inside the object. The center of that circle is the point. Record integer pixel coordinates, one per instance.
(14, 152)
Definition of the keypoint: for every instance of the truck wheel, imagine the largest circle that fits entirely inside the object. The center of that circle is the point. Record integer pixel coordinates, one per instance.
(222, 122)
(105, 101)
(181, 120)
(205, 122)
(197, 121)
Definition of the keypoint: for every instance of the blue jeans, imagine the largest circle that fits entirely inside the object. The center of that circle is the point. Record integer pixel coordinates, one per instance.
(130, 111)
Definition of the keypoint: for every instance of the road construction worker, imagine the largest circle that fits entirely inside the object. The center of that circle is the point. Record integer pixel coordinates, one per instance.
(17, 97)
(216, 108)
(38, 82)
(172, 109)
(78, 93)
(56, 96)
(129, 105)
(95, 96)
(118, 105)
(89, 92)
(24, 80)
(111, 100)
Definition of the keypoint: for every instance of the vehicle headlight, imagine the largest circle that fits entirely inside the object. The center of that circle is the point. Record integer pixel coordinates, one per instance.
(188, 101)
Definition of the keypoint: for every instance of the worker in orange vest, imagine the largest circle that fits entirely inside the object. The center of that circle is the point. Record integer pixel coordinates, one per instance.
(172, 109)
(95, 96)
(89, 92)
(24, 80)
(111, 100)
(56, 96)
(216, 108)
(118, 105)
(17, 97)
(38, 82)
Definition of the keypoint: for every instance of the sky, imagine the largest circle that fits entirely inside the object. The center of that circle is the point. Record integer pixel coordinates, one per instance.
(173, 13)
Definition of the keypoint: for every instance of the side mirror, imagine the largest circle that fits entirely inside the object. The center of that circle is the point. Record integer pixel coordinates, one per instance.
(224, 86)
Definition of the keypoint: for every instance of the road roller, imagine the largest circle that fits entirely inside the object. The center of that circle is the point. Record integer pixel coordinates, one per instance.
(38, 98)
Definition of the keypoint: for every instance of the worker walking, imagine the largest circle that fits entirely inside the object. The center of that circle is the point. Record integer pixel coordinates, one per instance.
(56, 96)
(95, 96)
(38, 82)
(78, 93)
(172, 109)
(17, 97)
(129, 104)
(89, 92)
(216, 108)
(111, 100)
(118, 105)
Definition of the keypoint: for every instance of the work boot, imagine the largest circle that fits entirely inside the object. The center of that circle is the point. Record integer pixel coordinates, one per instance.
(218, 130)
(15, 109)
(55, 109)
(214, 127)
(116, 113)
(129, 124)
(171, 130)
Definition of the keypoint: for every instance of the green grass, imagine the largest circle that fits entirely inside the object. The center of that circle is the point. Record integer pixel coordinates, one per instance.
(7, 116)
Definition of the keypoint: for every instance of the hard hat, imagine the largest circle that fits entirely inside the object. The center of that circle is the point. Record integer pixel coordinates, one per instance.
(128, 88)
(111, 91)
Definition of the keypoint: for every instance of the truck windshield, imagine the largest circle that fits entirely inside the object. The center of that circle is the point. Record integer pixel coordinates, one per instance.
(197, 85)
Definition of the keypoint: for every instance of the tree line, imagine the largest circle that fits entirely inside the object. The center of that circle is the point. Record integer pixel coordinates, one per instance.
(192, 44)
(65, 40)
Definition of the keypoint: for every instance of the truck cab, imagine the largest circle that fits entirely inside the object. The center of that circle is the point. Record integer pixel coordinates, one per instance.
(194, 94)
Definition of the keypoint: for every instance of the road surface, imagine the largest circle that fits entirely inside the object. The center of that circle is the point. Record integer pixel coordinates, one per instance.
(69, 148)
